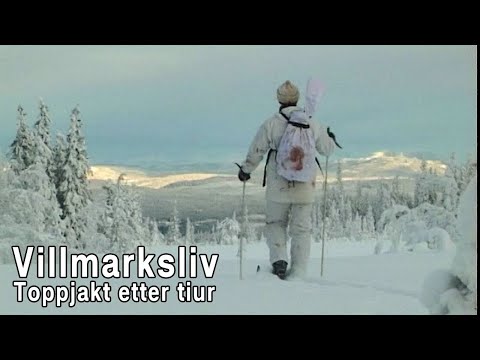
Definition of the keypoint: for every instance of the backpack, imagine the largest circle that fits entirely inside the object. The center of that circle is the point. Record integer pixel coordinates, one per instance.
(296, 152)
(298, 132)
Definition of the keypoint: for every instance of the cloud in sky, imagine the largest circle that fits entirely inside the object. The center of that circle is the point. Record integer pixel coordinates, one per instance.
(185, 102)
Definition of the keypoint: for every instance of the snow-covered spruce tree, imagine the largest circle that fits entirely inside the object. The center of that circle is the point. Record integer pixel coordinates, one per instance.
(229, 230)
(399, 196)
(396, 214)
(114, 218)
(453, 170)
(35, 180)
(134, 213)
(348, 211)
(360, 200)
(391, 225)
(173, 235)
(94, 241)
(436, 216)
(369, 224)
(215, 234)
(105, 223)
(349, 231)
(26, 216)
(247, 230)
(73, 193)
(451, 192)
(155, 234)
(357, 227)
(201, 237)
(421, 191)
(22, 148)
(35, 177)
(341, 216)
(469, 170)
(396, 194)
(122, 223)
(445, 192)
(334, 228)
(339, 183)
(41, 133)
(333, 199)
(427, 187)
(382, 200)
(457, 172)
(189, 233)
(59, 159)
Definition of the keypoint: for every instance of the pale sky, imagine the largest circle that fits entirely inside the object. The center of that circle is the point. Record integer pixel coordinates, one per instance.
(143, 104)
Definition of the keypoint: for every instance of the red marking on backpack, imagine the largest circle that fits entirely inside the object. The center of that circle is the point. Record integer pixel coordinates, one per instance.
(296, 157)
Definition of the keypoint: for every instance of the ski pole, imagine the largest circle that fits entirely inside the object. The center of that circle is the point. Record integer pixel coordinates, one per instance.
(324, 214)
(243, 224)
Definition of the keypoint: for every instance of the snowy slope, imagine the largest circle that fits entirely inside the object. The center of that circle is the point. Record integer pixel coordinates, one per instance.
(141, 179)
(355, 282)
(382, 165)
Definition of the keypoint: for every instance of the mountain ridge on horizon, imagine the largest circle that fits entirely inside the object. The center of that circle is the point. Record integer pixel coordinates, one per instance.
(379, 165)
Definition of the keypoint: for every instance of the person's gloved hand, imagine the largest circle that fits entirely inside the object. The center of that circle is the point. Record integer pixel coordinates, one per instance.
(243, 176)
(332, 135)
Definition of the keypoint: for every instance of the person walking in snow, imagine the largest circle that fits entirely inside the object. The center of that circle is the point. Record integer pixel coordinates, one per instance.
(287, 202)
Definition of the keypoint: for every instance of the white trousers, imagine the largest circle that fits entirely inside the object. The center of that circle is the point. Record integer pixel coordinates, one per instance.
(278, 217)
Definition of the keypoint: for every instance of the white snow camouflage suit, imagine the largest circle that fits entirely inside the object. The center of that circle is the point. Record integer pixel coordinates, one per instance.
(286, 198)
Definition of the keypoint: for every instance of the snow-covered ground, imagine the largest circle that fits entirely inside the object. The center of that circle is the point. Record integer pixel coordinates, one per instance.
(355, 282)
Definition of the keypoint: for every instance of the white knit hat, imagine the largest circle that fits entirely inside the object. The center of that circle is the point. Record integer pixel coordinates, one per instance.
(287, 93)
